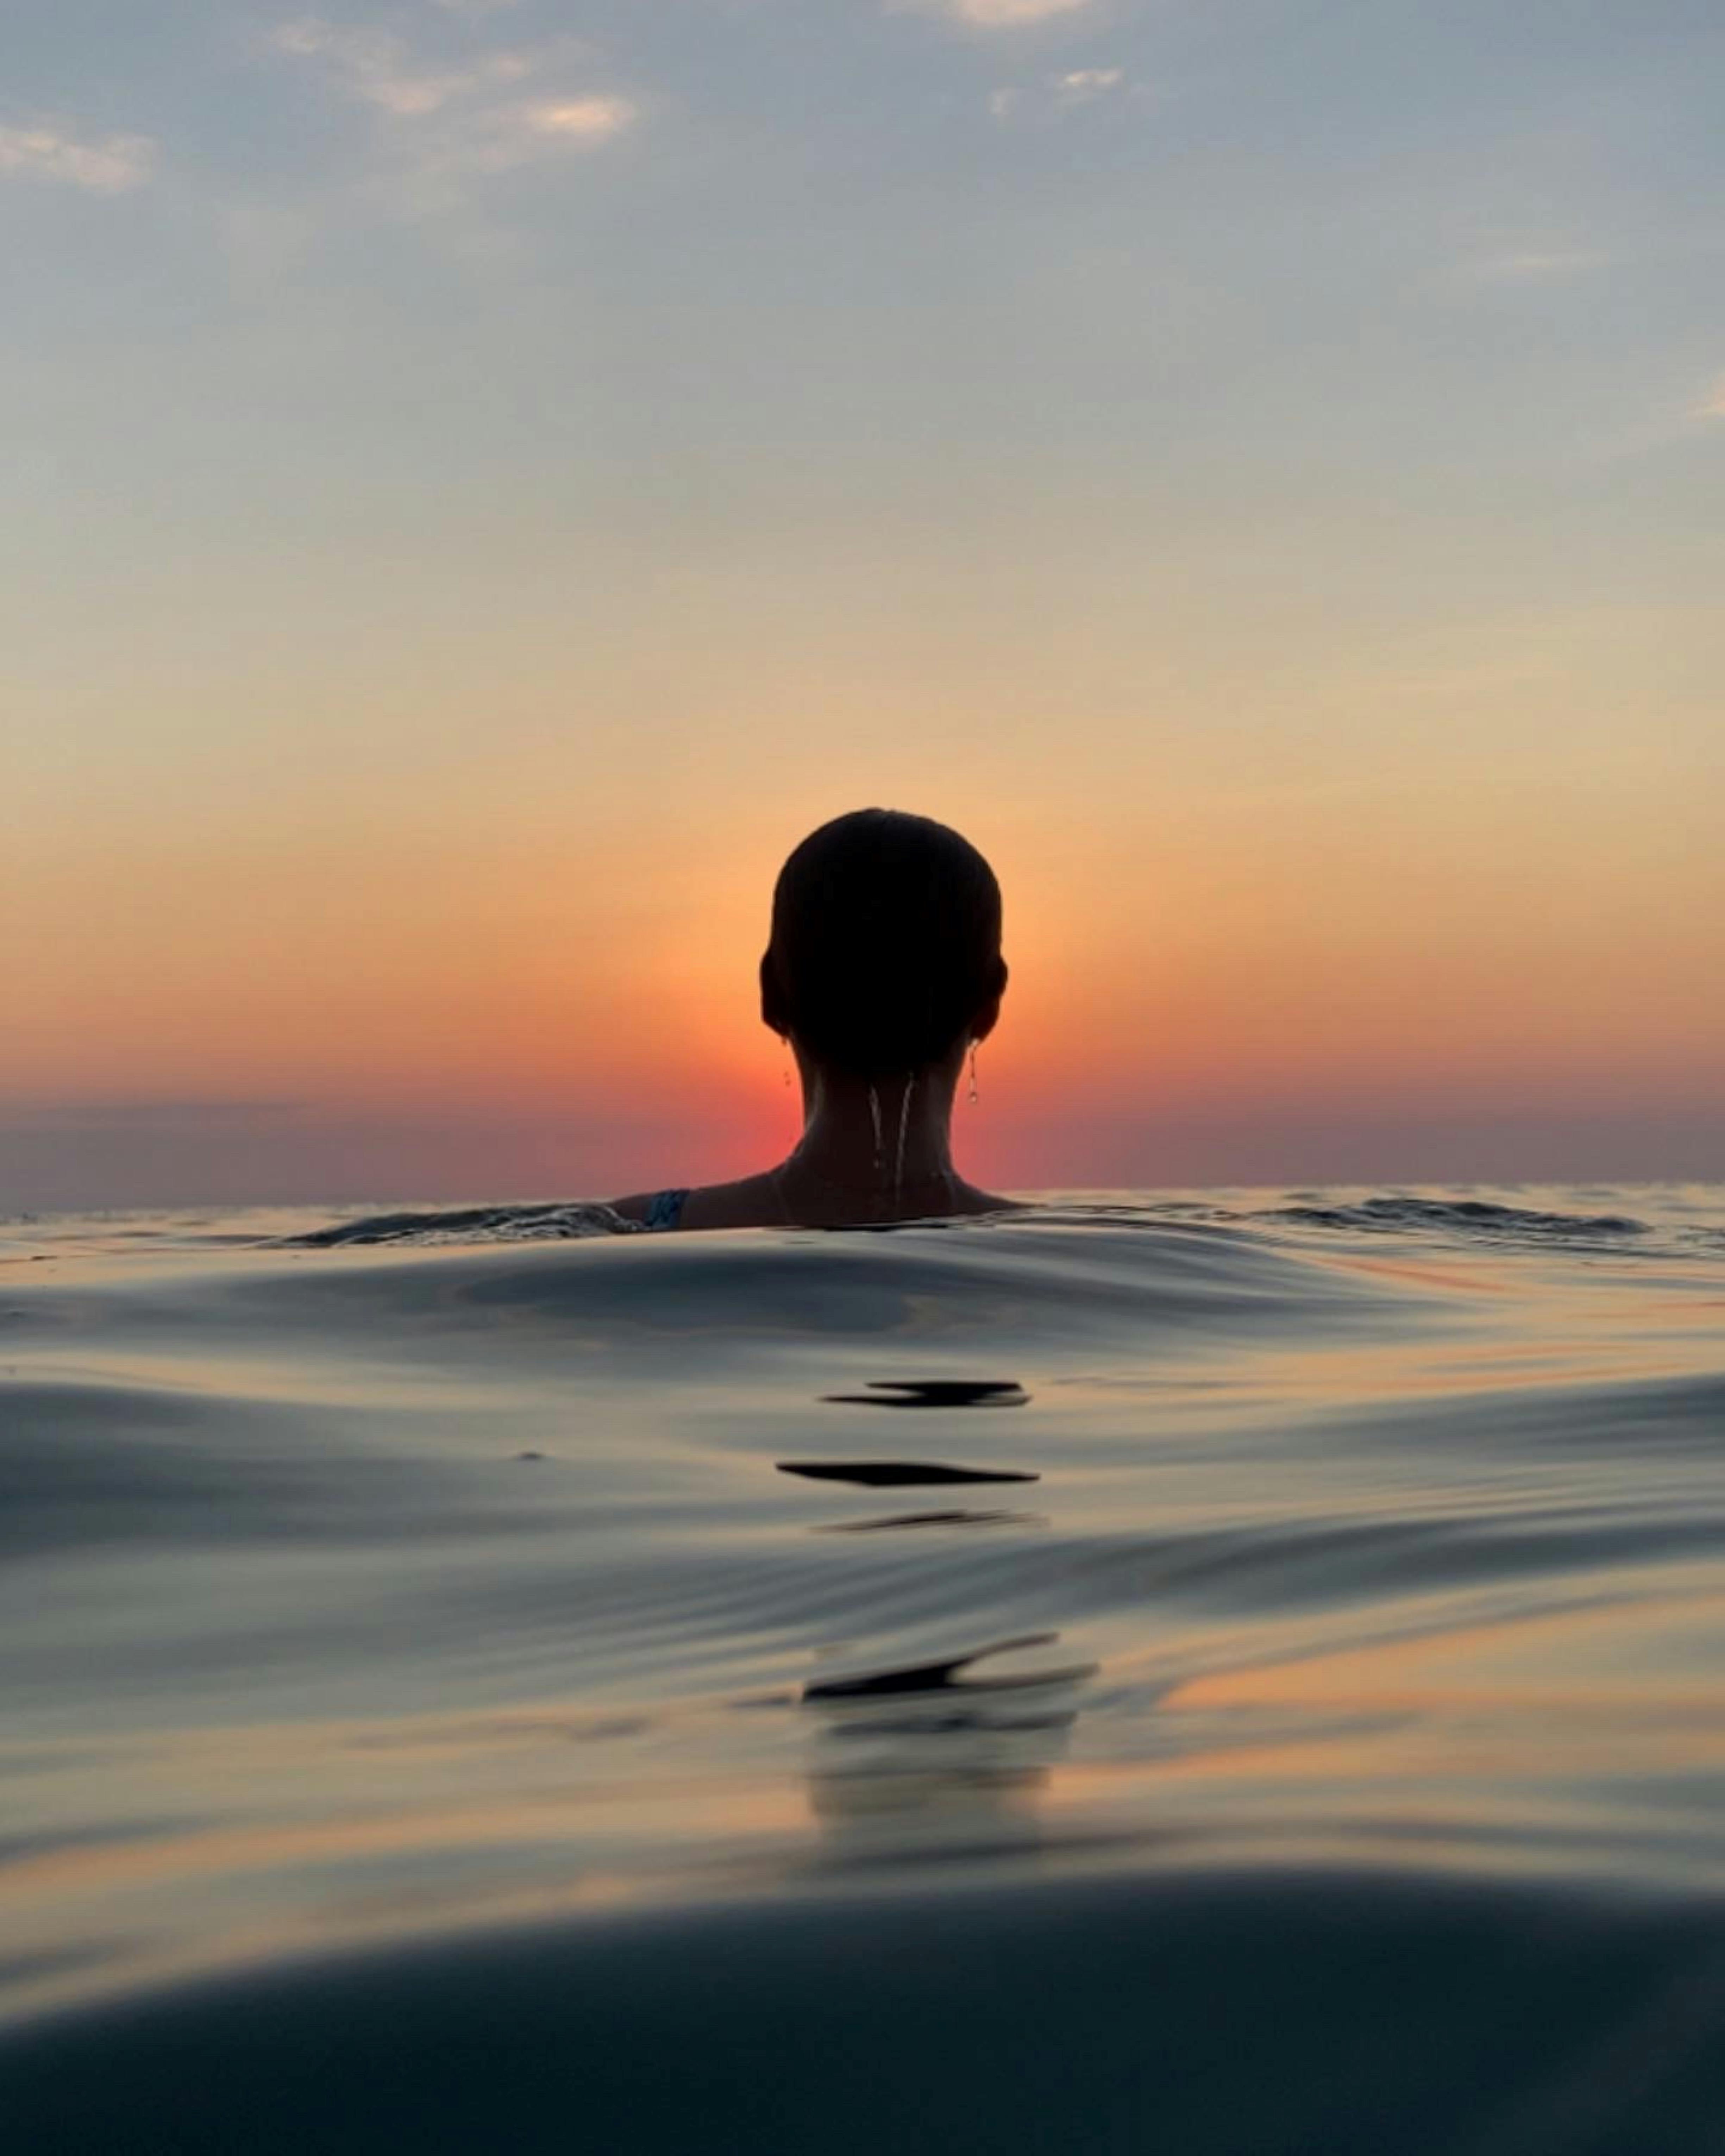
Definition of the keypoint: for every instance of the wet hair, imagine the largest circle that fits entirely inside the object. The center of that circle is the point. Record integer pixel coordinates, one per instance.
(885, 943)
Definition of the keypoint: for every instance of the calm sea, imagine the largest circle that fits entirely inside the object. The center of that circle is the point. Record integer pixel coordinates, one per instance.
(1241, 1673)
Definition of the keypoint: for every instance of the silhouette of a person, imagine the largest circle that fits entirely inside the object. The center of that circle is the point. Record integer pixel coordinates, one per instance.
(882, 972)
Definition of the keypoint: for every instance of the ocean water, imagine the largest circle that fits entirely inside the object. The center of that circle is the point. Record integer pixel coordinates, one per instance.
(1241, 1672)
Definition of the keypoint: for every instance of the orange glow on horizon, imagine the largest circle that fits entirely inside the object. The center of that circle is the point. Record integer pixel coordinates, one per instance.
(521, 967)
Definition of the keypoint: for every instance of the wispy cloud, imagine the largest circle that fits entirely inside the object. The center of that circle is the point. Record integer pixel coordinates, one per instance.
(101, 165)
(1712, 405)
(578, 118)
(376, 65)
(500, 138)
(495, 111)
(1059, 94)
(1000, 14)
(1534, 265)
(1006, 14)
(1085, 84)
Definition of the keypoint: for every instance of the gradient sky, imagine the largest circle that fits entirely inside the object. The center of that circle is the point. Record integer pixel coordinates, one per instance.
(483, 478)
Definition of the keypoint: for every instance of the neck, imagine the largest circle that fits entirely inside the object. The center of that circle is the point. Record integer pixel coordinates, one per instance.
(898, 1139)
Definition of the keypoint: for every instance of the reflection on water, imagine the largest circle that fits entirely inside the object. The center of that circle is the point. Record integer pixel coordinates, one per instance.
(952, 1519)
(948, 1676)
(933, 1393)
(1371, 1531)
(930, 1759)
(899, 1474)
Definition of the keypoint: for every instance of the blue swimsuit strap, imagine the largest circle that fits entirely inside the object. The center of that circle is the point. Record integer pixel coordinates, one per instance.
(665, 1209)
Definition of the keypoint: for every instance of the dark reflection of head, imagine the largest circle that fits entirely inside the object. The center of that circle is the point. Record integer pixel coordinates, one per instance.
(927, 1759)
(932, 1393)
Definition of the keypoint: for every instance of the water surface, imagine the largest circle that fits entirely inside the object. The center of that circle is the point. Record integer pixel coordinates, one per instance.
(1237, 1671)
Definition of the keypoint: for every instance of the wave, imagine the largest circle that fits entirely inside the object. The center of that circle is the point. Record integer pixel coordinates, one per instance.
(1466, 1217)
(558, 1221)
(1295, 1741)
(1360, 2013)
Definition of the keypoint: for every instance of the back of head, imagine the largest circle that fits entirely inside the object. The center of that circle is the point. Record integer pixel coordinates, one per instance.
(885, 943)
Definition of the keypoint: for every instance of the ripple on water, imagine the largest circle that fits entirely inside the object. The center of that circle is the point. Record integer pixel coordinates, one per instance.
(1344, 1714)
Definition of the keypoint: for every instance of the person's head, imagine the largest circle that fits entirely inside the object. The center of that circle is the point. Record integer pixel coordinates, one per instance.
(885, 956)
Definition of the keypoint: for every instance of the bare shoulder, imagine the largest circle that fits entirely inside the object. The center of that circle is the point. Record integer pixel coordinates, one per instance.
(968, 1199)
(750, 1203)
(756, 1201)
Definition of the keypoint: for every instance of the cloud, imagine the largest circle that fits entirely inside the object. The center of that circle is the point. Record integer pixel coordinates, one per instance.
(1058, 94)
(992, 14)
(503, 137)
(1083, 84)
(1712, 405)
(1534, 265)
(1009, 14)
(109, 165)
(444, 123)
(376, 66)
(579, 119)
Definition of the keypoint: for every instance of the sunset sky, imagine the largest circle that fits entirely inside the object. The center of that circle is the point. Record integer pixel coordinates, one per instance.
(483, 478)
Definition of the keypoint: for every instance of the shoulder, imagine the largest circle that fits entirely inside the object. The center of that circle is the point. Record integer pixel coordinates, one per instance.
(751, 1203)
(971, 1200)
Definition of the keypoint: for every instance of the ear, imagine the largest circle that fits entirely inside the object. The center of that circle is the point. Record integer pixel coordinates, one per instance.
(988, 1014)
(774, 1015)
